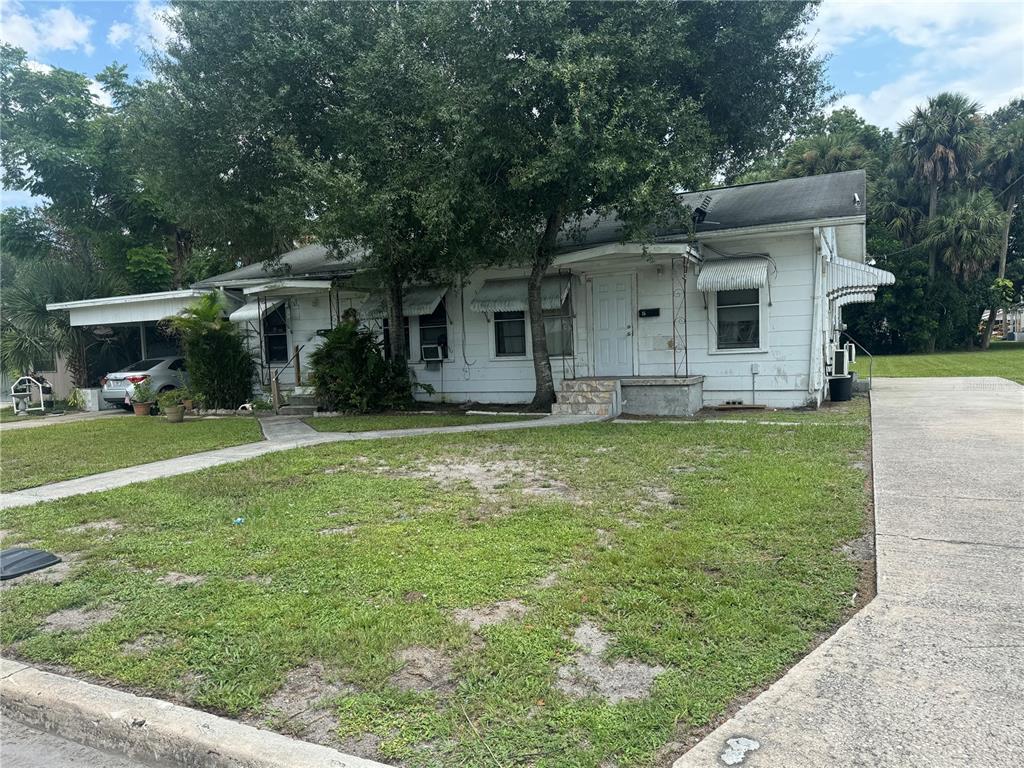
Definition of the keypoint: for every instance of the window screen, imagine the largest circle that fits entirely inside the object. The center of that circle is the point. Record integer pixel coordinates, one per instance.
(739, 317)
(510, 334)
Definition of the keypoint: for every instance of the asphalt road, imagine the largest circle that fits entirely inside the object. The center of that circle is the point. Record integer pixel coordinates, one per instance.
(24, 747)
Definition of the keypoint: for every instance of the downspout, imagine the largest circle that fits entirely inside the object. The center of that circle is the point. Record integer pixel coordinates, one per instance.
(815, 365)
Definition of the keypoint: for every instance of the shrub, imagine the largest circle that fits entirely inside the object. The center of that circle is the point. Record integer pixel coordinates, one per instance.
(350, 373)
(219, 365)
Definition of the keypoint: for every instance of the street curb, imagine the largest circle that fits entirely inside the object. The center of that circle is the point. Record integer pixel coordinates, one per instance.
(149, 729)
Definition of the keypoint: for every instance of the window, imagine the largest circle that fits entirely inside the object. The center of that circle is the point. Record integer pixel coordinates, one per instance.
(387, 338)
(558, 329)
(739, 316)
(142, 365)
(275, 336)
(510, 334)
(177, 365)
(434, 329)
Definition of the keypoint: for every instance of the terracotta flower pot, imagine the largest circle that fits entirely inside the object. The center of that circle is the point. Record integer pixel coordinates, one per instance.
(174, 414)
(142, 409)
(187, 405)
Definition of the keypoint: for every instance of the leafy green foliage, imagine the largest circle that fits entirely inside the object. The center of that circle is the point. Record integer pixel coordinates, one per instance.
(148, 269)
(220, 367)
(350, 373)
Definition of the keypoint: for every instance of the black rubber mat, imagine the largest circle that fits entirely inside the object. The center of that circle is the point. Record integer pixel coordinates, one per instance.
(21, 560)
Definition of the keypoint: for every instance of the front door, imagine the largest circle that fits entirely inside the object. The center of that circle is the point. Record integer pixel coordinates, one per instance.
(613, 325)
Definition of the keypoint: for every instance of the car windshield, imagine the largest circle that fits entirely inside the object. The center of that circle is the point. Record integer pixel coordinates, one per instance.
(144, 365)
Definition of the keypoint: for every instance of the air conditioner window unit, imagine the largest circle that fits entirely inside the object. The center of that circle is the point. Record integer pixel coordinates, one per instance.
(431, 353)
(840, 365)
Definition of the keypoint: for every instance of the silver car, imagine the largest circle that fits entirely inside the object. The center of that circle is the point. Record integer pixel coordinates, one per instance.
(163, 373)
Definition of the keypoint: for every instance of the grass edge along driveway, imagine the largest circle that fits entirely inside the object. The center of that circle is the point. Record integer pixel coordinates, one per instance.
(1003, 359)
(473, 599)
(371, 422)
(50, 454)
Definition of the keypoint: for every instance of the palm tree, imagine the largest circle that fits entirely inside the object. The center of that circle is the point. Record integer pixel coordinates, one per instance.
(1004, 174)
(941, 142)
(826, 153)
(967, 235)
(31, 332)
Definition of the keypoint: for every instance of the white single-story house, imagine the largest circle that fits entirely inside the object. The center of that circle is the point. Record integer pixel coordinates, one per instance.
(744, 307)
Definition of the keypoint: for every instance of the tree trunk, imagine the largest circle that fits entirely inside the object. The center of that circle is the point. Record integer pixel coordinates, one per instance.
(396, 319)
(77, 361)
(933, 205)
(544, 395)
(1011, 203)
(182, 254)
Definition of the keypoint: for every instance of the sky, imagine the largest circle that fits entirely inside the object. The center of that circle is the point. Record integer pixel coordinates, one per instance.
(885, 56)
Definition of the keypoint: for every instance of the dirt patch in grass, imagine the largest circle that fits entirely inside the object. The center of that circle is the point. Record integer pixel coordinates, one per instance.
(78, 619)
(588, 674)
(55, 574)
(144, 645)
(98, 525)
(490, 478)
(496, 613)
(423, 669)
(252, 578)
(548, 581)
(301, 706)
(345, 530)
(175, 579)
(861, 549)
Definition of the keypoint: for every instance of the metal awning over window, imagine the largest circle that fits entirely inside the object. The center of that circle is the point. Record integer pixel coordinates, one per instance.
(845, 277)
(254, 311)
(509, 295)
(732, 275)
(417, 300)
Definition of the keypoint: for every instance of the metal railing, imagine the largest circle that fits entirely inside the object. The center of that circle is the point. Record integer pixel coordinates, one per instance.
(862, 348)
(275, 382)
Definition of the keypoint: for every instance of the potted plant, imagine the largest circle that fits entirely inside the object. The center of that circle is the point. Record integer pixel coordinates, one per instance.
(185, 397)
(171, 407)
(143, 398)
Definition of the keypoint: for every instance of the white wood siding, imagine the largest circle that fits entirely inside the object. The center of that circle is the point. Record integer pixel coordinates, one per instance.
(472, 372)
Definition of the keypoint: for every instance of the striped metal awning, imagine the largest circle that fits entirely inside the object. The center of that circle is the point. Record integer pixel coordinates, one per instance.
(417, 300)
(509, 295)
(732, 275)
(844, 277)
(254, 311)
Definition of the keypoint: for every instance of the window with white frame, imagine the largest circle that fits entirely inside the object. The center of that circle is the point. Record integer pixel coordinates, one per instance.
(510, 334)
(739, 319)
(558, 329)
(434, 329)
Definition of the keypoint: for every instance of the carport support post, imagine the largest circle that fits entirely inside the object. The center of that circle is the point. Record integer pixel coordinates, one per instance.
(142, 340)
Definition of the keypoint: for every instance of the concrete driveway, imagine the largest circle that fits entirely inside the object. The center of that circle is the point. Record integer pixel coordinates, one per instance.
(931, 673)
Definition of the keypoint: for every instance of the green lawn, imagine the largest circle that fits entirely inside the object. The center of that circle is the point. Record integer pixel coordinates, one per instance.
(375, 421)
(704, 555)
(7, 413)
(30, 457)
(1004, 359)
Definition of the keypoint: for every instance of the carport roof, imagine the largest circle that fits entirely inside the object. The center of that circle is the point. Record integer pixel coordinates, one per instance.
(131, 309)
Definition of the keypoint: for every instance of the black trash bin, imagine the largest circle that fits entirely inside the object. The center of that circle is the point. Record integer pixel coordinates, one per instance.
(840, 388)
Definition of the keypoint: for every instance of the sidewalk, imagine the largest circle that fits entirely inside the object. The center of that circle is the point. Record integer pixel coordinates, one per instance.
(930, 673)
(281, 436)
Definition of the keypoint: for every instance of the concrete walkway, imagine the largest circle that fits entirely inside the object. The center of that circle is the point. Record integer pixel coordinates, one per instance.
(31, 422)
(281, 435)
(930, 673)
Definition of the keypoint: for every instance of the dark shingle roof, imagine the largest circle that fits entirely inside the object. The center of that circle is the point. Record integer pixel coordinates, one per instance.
(810, 198)
(307, 261)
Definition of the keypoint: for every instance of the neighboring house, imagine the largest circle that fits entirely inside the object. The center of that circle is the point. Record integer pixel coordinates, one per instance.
(746, 309)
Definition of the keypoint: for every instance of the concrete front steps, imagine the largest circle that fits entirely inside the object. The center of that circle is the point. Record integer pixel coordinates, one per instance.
(301, 402)
(589, 397)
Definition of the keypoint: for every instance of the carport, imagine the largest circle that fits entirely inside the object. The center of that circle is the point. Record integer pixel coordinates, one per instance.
(143, 311)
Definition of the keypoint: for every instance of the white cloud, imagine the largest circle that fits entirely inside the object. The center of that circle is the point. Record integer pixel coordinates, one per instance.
(119, 33)
(961, 45)
(54, 29)
(100, 96)
(147, 29)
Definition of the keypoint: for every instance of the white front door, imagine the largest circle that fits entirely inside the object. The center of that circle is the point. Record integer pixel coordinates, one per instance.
(613, 325)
